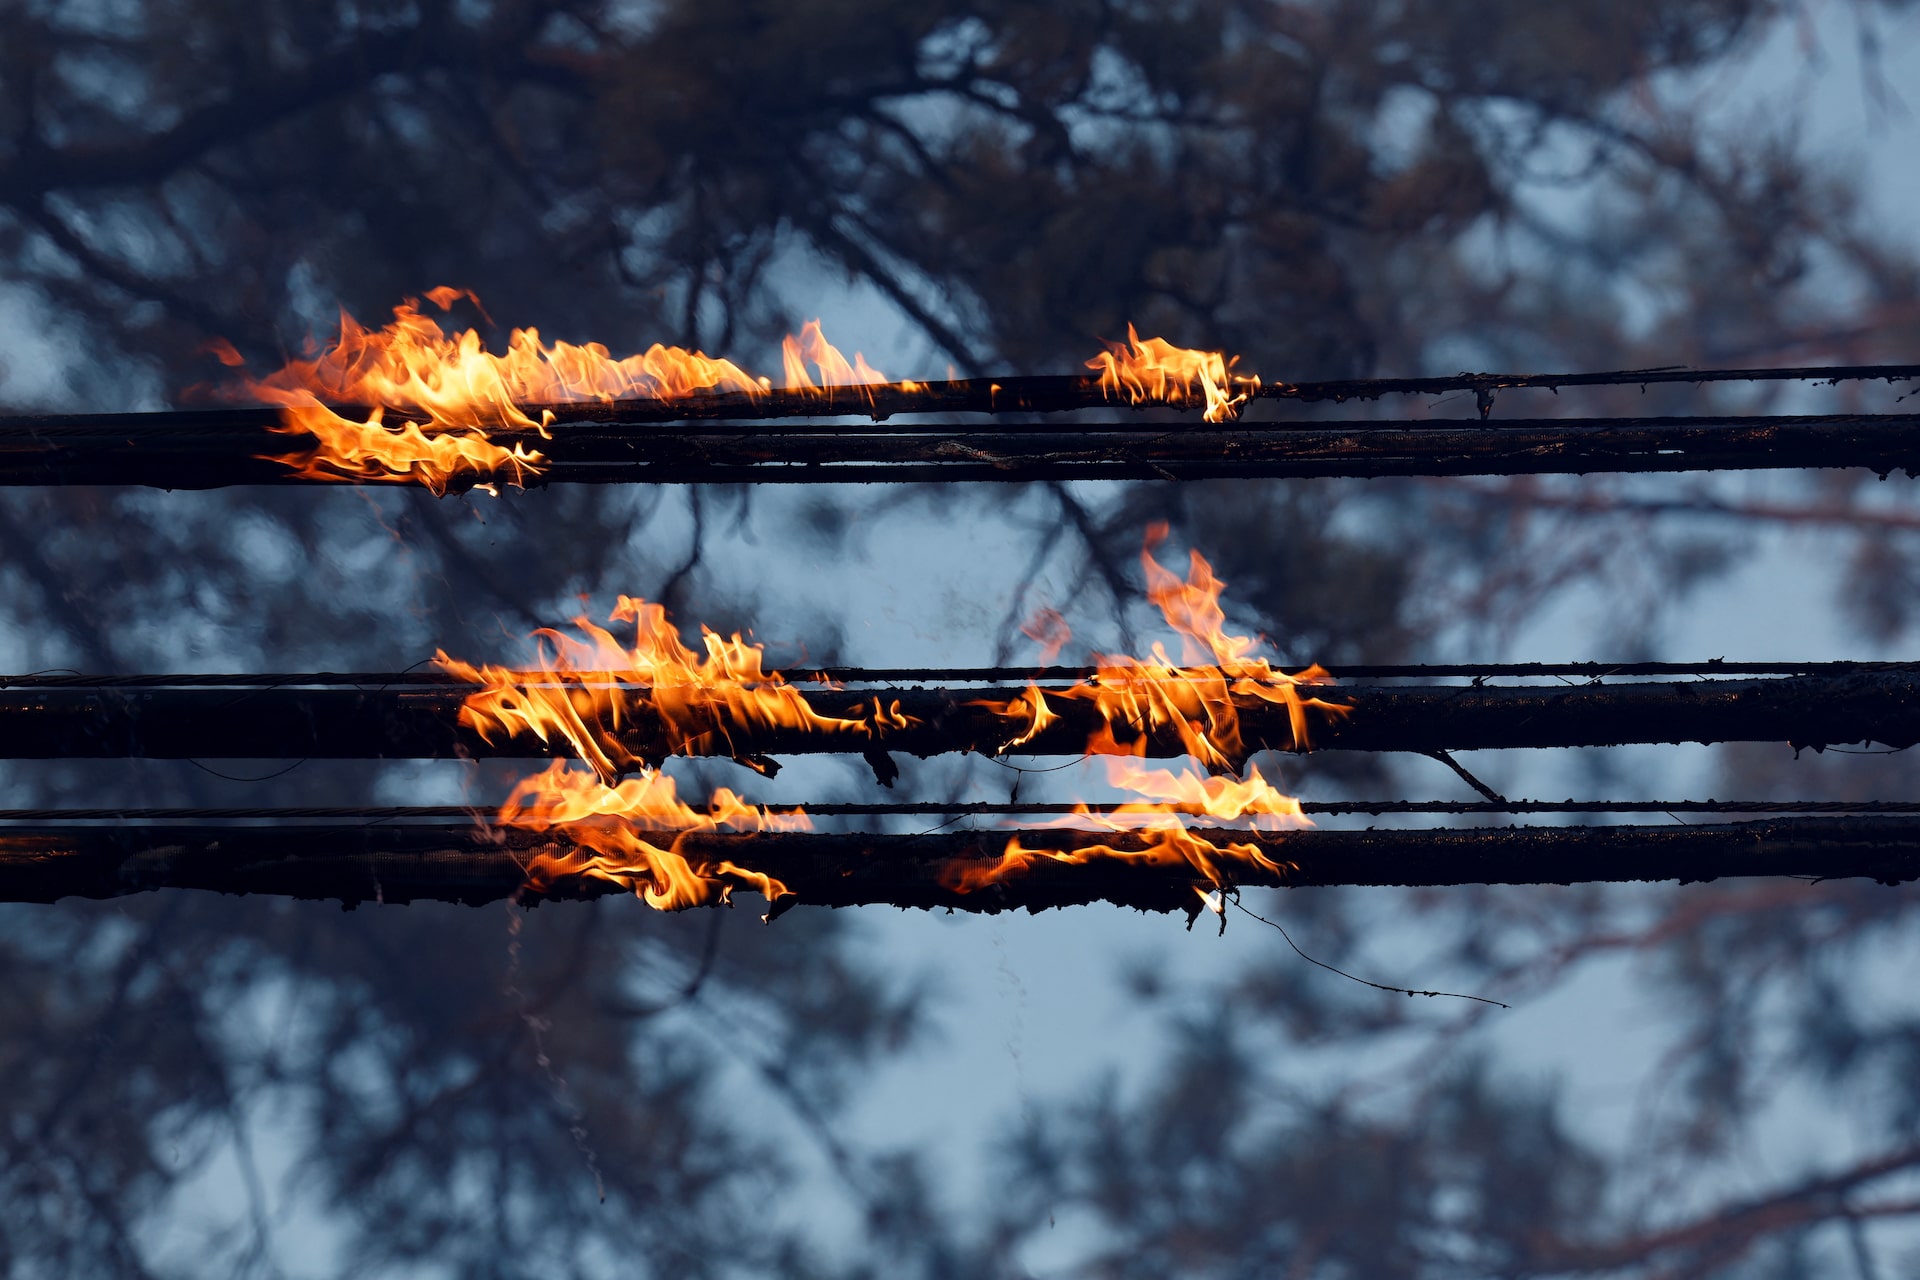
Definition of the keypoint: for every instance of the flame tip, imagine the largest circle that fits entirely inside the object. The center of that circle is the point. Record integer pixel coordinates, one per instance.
(1153, 369)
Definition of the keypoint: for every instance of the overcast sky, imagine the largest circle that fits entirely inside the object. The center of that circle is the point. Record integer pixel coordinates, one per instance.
(1033, 1008)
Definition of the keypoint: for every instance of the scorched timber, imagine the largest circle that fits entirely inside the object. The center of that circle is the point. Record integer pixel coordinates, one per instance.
(336, 723)
(475, 864)
(206, 450)
(1041, 394)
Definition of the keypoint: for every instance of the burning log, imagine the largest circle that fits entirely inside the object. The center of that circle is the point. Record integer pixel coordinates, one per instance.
(1477, 671)
(433, 401)
(115, 721)
(473, 864)
(619, 443)
(411, 403)
(987, 809)
(625, 706)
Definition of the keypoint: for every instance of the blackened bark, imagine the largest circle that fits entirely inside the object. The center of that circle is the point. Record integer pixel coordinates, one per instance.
(619, 444)
(474, 864)
(421, 723)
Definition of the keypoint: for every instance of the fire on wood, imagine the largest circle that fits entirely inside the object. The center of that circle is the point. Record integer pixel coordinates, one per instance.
(445, 392)
(584, 691)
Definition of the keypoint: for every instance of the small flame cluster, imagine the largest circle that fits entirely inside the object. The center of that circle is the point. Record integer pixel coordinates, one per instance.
(410, 402)
(586, 693)
(624, 822)
(1136, 701)
(457, 390)
(1154, 371)
(447, 391)
(1167, 800)
(622, 816)
(635, 833)
(1195, 699)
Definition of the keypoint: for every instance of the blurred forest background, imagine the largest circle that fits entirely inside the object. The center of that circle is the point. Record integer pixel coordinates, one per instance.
(200, 1086)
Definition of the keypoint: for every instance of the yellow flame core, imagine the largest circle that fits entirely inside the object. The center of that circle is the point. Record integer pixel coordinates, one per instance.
(1158, 817)
(1153, 369)
(433, 396)
(1195, 699)
(1137, 699)
(599, 696)
(446, 391)
(635, 835)
(810, 347)
(594, 694)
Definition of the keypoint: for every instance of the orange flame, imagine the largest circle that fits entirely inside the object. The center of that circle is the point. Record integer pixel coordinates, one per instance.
(1144, 369)
(810, 346)
(444, 392)
(1137, 698)
(609, 829)
(459, 390)
(1199, 703)
(622, 710)
(1167, 797)
(449, 391)
(594, 694)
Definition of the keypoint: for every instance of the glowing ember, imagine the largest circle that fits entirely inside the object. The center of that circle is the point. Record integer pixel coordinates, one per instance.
(1153, 369)
(635, 835)
(601, 697)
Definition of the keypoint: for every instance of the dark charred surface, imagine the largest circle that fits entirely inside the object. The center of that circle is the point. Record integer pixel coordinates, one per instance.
(621, 444)
(345, 723)
(475, 864)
